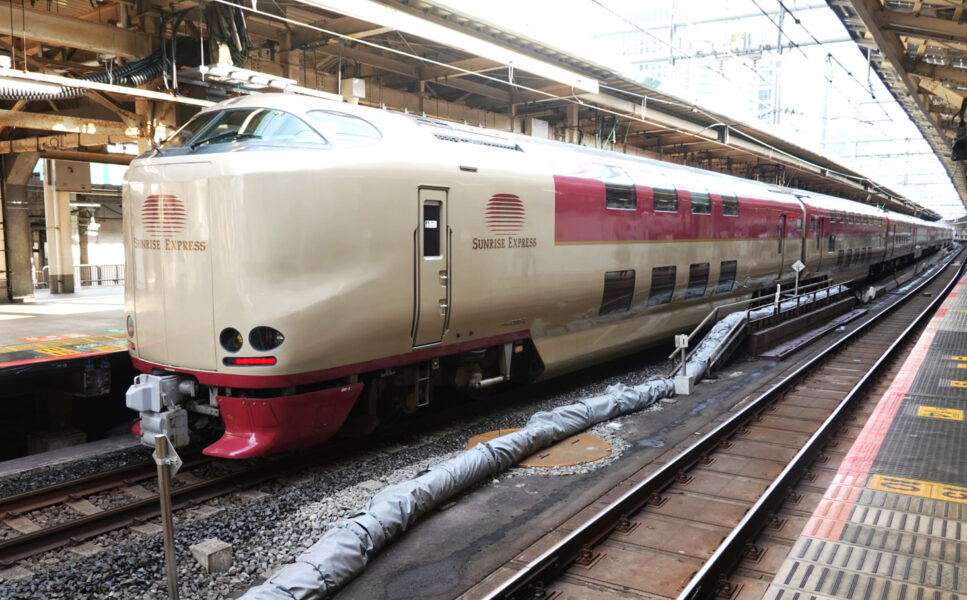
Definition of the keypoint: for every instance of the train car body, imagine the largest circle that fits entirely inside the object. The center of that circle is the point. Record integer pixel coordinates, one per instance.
(290, 258)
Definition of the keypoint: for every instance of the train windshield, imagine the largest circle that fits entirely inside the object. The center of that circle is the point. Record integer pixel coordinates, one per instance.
(261, 125)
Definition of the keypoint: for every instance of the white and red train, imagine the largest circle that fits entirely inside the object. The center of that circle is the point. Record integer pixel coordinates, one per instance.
(290, 258)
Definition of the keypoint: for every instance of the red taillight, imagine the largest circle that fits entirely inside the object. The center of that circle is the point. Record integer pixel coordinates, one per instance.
(243, 361)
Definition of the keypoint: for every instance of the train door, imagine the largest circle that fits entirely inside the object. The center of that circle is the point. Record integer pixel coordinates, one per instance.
(432, 269)
(781, 233)
(820, 238)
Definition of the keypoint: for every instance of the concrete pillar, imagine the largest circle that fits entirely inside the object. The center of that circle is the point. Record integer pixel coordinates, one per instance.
(57, 212)
(16, 226)
(573, 136)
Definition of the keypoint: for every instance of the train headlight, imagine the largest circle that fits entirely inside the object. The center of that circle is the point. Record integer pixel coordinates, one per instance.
(265, 338)
(230, 339)
(130, 324)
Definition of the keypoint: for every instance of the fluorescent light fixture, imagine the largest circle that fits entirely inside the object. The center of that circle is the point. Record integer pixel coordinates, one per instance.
(390, 17)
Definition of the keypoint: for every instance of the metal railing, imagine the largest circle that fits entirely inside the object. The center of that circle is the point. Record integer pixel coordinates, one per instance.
(86, 276)
(781, 300)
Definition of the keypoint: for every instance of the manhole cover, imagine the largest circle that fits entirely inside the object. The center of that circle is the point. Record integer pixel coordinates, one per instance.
(577, 449)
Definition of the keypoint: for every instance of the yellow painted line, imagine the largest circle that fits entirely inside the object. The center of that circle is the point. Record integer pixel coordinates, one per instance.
(962, 366)
(67, 342)
(958, 358)
(938, 412)
(917, 487)
(958, 384)
(57, 351)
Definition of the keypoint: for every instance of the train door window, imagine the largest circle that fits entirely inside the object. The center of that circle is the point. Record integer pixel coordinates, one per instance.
(819, 232)
(701, 203)
(831, 245)
(619, 189)
(730, 205)
(431, 229)
(727, 269)
(781, 231)
(812, 223)
(697, 280)
(666, 199)
(849, 258)
(799, 224)
(619, 289)
(839, 259)
(662, 285)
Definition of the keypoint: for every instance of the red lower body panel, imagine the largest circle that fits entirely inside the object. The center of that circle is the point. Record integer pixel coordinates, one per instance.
(257, 426)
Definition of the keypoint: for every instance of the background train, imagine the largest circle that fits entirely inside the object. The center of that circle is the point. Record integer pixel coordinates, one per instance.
(291, 258)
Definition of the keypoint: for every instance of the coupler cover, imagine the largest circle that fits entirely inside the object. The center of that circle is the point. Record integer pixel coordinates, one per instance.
(156, 398)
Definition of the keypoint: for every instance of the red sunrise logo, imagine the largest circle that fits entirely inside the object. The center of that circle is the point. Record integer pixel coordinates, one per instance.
(505, 214)
(163, 215)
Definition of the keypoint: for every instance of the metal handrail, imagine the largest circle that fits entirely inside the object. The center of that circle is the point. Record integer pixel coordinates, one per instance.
(104, 273)
(749, 306)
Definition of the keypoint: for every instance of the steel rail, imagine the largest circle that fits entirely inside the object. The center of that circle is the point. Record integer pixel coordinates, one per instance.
(49, 538)
(529, 581)
(84, 486)
(141, 510)
(711, 576)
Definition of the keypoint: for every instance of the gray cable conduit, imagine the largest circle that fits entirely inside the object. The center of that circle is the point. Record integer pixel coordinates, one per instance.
(344, 550)
(134, 74)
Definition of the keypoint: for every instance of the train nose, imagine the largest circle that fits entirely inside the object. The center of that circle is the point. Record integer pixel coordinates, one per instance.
(170, 263)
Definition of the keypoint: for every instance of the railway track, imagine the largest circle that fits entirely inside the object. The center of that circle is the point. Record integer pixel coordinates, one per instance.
(740, 495)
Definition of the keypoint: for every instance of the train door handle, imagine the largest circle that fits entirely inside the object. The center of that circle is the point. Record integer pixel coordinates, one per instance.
(443, 307)
(443, 277)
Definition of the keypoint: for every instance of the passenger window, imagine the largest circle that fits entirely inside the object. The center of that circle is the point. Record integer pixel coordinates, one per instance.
(619, 289)
(431, 229)
(730, 205)
(245, 125)
(701, 203)
(343, 130)
(726, 276)
(662, 285)
(697, 280)
(619, 189)
(666, 199)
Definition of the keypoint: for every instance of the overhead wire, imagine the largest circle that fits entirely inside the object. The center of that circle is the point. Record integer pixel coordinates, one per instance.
(829, 56)
(574, 100)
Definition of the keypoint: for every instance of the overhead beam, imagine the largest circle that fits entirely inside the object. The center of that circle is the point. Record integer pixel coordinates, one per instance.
(51, 29)
(930, 27)
(64, 124)
(67, 141)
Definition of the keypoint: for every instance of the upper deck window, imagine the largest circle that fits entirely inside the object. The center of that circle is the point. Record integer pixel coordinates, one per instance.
(701, 204)
(666, 199)
(262, 125)
(343, 130)
(730, 205)
(619, 188)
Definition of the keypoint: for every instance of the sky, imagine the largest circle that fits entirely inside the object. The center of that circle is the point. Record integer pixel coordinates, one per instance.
(723, 55)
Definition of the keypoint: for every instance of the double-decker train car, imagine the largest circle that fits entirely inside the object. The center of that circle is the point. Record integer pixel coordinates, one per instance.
(291, 260)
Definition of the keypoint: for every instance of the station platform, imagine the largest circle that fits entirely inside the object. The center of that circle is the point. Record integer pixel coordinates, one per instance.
(58, 327)
(893, 524)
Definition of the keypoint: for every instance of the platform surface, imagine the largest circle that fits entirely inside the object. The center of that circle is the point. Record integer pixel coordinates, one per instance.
(893, 524)
(62, 326)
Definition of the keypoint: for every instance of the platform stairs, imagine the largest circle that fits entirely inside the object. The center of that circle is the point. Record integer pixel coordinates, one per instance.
(777, 325)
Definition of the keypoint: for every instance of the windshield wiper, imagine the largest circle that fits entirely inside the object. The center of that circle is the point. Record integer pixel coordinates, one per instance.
(223, 137)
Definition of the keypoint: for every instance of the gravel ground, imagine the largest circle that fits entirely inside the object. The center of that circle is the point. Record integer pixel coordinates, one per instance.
(269, 531)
